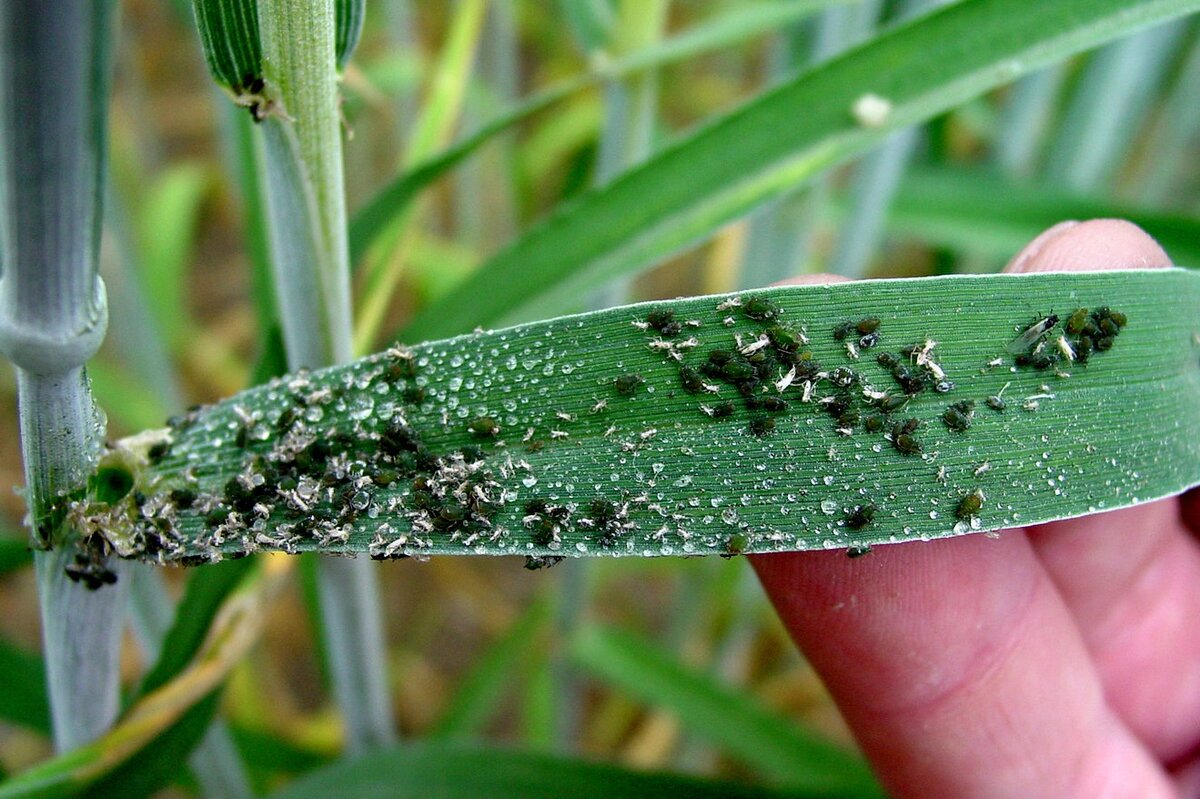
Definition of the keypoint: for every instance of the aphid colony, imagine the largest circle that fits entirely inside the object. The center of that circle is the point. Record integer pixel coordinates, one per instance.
(1083, 334)
(303, 483)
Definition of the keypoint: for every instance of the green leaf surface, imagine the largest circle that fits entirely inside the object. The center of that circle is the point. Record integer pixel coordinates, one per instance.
(783, 751)
(540, 439)
(23, 700)
(450, 771)
(14, 553)
(776, 143)
(986, 213)
(725, 30)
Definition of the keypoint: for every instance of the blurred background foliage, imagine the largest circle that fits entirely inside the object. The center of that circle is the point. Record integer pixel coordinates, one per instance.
(479, 648)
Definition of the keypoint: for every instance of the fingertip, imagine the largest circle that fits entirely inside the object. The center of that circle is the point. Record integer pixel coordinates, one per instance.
(1094, 245)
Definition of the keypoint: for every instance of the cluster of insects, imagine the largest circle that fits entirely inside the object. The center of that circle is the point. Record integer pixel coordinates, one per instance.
(306, 483)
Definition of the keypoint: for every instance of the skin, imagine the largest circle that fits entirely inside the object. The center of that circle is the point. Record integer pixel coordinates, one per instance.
(1060, 660)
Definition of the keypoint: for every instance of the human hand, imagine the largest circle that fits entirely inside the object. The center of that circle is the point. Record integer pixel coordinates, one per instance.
(1059, 660)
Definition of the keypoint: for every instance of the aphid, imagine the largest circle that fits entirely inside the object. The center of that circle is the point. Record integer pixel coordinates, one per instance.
(1076, 321)
(873, 423)
(183, 497)
(889, 403)
(1031, 334)
(158, 451)
(736, 544)
(484, 427)
(736, 370)
(858, 550)
(903, 439)
(996, 402)
(721, 410)
(626, 385)
(1084, 348)
(867, 325)
(536, 562)
(760, 309)
(943, 386)
(868, 341)
(1108, 327)
(860, 516)
(783, 338)
(1120, 318)
(772, 403)
(414, 395)
(959, 415)
(842, 330)
(762, 425)
(663, 321)
(887, 360)
(720, 357)
(691, 380)
(970, 505)
(1104, 343)
(910, 383)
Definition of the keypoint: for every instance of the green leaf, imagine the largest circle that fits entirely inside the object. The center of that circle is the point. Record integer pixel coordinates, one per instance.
(725, 30)
(231, 42)
(778, 747)
(14, 553)
(777, 142)
(23, 700)
(540, 440)
(467, 772)
(986, 213)
(479, 693)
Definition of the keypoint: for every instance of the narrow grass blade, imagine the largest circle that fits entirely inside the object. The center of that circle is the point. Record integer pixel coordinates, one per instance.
(23, 700)
(784, 752)
(1175, 130)
(585, 436)
(1108, 107)
(766, 148)
(726, 30)
(990, 215)
(478, 695)
(466, 772)
(1025, 119)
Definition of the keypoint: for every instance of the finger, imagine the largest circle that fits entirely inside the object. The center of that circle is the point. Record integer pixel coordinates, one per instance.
(959, 670)
(1131, 578)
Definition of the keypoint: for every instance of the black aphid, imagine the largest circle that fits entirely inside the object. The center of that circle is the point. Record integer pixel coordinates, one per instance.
(414, 395)
(903, 439)
(873, 423)
(958, 416)
(158, 451)
(626, 385)
(867, 325)
(691, 380)
(536, 562)
(868, 341)
(183, 498)
(858, 550)
(720, 357)
(842, 329)
(1076, 321)
(860, 516)
(762, 425)
(735, 545)
(770, 402)
(996, 402)
(722, 410)
(663, 321)
(890, 403)
(843, 377)
(760, 309)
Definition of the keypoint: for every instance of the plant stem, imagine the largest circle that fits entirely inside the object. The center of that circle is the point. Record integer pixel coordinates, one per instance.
(307, 212)
(54, 78)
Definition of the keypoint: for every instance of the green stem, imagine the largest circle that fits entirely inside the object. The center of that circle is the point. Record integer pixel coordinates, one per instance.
(307, 212)
(54, 68)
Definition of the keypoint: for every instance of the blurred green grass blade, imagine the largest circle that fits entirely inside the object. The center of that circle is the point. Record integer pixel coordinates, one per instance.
(267, 756)
(89, 770)
(1174, 132)
(206, 590)
(994, 216)
(166, 231)
(1107, 108)
(478, 695)
(775, 745)
(590, 21)
(775, 143)
(460, 771)
(349, 16)
(725, 30)
(541, 404)
(128, 402)
(14, 552)
(23, 700)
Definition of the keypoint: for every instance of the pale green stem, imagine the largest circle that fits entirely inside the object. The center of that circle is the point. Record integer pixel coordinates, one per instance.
(483, 187)
(54, 67)
(215, 759)
(1174, 134)
(1026, 118)
(1104, 114)
(630, 111)
(307, 212)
